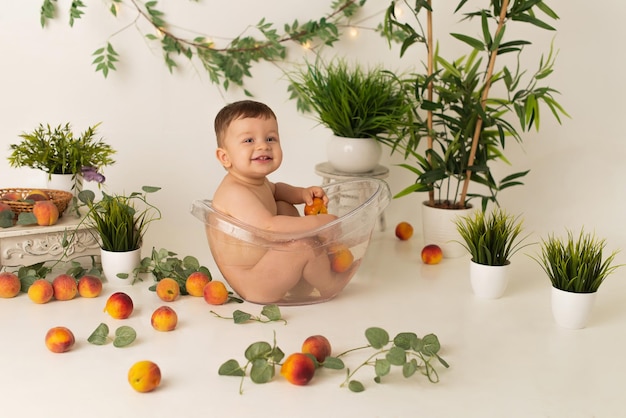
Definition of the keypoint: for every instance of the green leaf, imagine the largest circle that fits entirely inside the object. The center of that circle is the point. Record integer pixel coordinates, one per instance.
(258, 350)
(272, 312)
(124, 336)
(26, 218)
(6, 218)
(409, 368)
(396, 356)
(240, 317)
(333, 363)
(100, 335)
(405, 340)
(231, 368)
(262, 371)
(382, 367)
(431, 345)
(356, 386)
(377, 337)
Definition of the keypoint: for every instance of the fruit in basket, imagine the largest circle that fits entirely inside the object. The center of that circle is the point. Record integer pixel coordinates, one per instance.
(164, 318)
(341, 258)
(144, 376)
(432, 254)
(215, 293)
(10, 285)
(119, 305)
(167, 289)
(59, 339)
(195, 283)
(65, 287)
(46, 213)
(298, 369)
(37, 195)
(318, 346)
(41, 291)
(316, 208)
(89, 286)
(13, 196)
(404, 231)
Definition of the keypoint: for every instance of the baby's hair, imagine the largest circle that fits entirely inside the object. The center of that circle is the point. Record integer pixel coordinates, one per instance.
(239, 110)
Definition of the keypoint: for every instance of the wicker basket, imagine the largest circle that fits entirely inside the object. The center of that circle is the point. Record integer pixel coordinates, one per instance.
(59, 197)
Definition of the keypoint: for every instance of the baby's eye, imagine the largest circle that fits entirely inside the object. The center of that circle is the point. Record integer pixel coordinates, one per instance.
(271, 139)
(248, 140)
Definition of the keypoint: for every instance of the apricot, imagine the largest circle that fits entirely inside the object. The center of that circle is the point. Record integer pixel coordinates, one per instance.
(404, 231)
(318, 346)
(167, 289)
(195, 283)
(164, 318)
(316, 207)
(341, 258)
(64, 287)
(432, 254)
(10, 285)
(119, 305)
(298, 369)
(144, 376)
(59, 339)
(37, 195)
(215, 293)
(46, 213)
(89, 286)
(41, 291)
(14, 196)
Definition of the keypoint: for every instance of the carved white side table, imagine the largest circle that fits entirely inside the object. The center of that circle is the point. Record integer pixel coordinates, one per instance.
(26, 245)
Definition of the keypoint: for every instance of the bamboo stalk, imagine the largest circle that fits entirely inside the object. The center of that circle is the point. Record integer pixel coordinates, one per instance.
(483, 103)
(429, 120)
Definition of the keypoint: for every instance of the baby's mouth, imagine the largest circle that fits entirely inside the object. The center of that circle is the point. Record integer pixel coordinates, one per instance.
(262, 158)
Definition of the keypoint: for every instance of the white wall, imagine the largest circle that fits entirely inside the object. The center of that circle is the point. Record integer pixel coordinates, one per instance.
(161, 124)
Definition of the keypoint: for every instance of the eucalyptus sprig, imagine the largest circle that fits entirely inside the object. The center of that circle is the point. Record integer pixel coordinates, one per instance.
(271, 312)
(164, 263)
(124, 336)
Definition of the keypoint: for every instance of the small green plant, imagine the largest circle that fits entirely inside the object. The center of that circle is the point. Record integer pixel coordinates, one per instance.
(576, 265)
(491, 239)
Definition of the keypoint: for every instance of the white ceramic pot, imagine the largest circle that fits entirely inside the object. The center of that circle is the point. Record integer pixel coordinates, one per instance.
(114, 263)
(438, 226)
(571, 310)
(353, 155)
(489, 282)
(64, 182)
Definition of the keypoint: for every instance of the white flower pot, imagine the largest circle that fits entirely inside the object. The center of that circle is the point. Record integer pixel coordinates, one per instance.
(489, 282)
(353, 155)
(114, 263)
(64, 182)
(571, 310)
(439, 228)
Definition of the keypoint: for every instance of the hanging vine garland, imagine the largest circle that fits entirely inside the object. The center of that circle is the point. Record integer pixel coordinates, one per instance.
(224, 65)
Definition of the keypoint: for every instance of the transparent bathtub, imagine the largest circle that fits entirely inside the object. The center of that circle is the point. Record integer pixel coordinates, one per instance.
(294, 269)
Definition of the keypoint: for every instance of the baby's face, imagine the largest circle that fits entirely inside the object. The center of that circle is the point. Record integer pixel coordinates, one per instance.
(251, 148)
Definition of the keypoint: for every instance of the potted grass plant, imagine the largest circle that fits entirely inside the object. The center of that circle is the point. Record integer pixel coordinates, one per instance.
(576, 268)
(491, 239)
(363, 107)
(468, 107)
(63, 155)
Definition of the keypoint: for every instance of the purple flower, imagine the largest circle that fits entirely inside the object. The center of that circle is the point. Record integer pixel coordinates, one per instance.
(91, 174)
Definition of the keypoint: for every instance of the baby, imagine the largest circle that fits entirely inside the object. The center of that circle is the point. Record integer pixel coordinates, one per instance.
(248, 147)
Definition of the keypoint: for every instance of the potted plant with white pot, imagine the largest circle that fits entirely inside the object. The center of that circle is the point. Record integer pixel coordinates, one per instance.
(66, 158)
(363, 107)
(491, 240)
(467, 107)
(119, 223)
(576, 269)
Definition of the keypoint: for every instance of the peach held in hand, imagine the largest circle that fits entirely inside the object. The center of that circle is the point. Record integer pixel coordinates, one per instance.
(119, 305)
(318, 346)
(89, 286)
(167, 289)
(195, 283)
(59, 339)
(41, 291)
(298, 369)
(432, 254)
(164, 318)
(65, 287)
(144, 376)
(10, 285)
(404, 231)
(46, 213)
(316, 208)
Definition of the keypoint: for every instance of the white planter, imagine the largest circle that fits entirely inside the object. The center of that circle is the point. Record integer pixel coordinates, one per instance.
(489, 282)
(64, 182)
(439, 228)
(114, 263)
(571, 310)
(353, 155)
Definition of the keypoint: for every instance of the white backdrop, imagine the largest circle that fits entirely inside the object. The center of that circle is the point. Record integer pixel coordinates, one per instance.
(161, 124)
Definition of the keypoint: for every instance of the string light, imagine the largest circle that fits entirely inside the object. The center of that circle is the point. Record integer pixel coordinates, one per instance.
(399, 11)
(306, 45)
(354, 32)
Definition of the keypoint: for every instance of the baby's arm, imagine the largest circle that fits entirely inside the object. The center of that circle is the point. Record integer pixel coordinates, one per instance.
(296, 195)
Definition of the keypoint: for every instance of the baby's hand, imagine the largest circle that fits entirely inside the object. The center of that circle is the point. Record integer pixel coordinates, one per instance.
(314, 191)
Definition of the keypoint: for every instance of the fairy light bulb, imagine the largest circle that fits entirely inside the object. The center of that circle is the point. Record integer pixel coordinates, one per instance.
(398, 11)
(354, 32)
(306, 45)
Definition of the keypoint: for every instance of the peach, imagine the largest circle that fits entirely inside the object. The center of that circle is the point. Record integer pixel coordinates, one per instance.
(4, 206)
(119, 305)
(404, 231)
(10, 285)
(46, 212)
(41, 291)
(431, 254)
(59, 339)
(195, 283)
(37, 195)
(144, 376)
(215, 293)
(89, 286)
(298, 369)
(341, 258)
(65, 287)
(316, 208)
(164, 318)
(318, 346)
(167, 289)
(14, 196)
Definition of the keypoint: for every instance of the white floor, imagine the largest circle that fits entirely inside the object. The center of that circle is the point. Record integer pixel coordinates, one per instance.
(507, 356)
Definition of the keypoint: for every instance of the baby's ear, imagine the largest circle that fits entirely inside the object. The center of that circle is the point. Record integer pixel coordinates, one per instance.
(222, 157)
